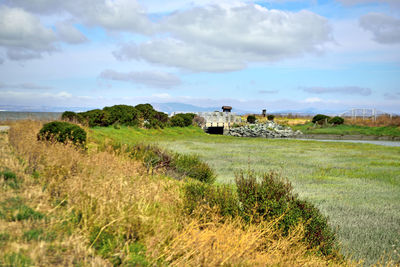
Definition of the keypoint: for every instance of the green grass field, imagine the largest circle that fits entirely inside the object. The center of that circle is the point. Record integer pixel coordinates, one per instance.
(356, 185)
(309, 128)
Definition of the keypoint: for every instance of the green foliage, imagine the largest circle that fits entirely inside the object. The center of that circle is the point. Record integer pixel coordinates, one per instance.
(152, 156)
(38, 234)
(320, 119)
(147, 111)
(63, 132)
(122, 114)
(96, 117)
(182, 120)
(263, 198)
(103, 241)
(10, 179)
(271, 117)
(14, 209)
(345, 129)
(4, 237)
(71, 116)
(136, 255)
(269, 196)
(15, 259)
(193, 167)
(336, 120)
(196, 193)
(251, 119)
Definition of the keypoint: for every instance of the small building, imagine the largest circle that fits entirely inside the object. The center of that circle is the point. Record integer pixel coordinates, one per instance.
(226, 108)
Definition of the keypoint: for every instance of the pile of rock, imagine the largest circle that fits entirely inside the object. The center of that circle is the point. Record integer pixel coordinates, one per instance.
(269, 129)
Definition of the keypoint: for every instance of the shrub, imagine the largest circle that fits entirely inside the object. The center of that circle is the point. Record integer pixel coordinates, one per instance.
(71, 116)
(122, 114)
(182, 120)
(336, 120)
(320, 119)
(193, 167)
(177, 121)
(251, 119)
(271, 117)
(152, 156)
(272, 197)
(96, 117)
(222, 197)
(63, 132)
(147, 111)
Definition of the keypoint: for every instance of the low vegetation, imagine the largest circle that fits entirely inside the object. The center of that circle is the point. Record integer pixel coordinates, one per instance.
(356, 185)
(101, 207)
(62, 132)
(346, 129)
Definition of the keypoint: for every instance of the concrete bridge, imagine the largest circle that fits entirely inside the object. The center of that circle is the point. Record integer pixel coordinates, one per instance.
(218, 122)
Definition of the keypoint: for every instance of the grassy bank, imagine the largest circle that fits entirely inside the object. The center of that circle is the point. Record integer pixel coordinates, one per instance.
(356, 185)
(309, 128)
(99, 207)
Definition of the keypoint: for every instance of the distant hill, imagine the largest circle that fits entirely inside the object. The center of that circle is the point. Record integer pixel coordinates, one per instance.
(171, 107)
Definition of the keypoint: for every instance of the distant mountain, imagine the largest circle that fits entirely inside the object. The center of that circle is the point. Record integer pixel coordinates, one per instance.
(181, 107)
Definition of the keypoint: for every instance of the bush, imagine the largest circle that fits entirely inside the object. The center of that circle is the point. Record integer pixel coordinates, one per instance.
(272, 197)
(336, 120)
(71, 116)
(320, 119)
(222, 197)
(63, 132)
(122, 114)
(251, 119)
(271, 117)
(182, 120)
(193, 167)
(152, 156)
(146, 111)
(96, 117)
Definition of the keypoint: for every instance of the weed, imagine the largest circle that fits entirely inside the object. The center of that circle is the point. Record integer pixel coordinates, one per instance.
(193, 167)
(10, 179)
(136, 255)
(104, 241)
(14, 209)
(222, 197)
(15, 259)
(38, 234)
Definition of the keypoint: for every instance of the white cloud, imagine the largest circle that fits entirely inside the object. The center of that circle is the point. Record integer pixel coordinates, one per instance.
(385, 29)
(120, 15)
(216, 38)
(69, 34)
(149, 78)
(23, 36)
(346, 90)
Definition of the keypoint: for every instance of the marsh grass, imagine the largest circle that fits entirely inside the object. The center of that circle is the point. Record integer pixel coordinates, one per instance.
(349, 129)
(105, 209)
(356, 185)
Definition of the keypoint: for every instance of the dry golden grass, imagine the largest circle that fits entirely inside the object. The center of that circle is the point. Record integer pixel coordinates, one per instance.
(114, 195)
(380, 121)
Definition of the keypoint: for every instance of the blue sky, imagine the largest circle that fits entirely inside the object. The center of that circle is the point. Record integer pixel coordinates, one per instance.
(274, 54)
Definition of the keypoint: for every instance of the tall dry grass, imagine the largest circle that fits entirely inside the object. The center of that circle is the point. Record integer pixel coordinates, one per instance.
(113, 194)
(384, 120)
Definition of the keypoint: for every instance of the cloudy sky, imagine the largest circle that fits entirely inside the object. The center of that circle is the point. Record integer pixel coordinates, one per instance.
(273, 54)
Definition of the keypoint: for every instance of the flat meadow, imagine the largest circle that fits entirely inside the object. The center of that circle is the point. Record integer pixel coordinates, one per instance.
(356, 185)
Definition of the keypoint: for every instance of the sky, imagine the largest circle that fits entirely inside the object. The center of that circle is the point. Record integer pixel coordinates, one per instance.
(273, 54)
